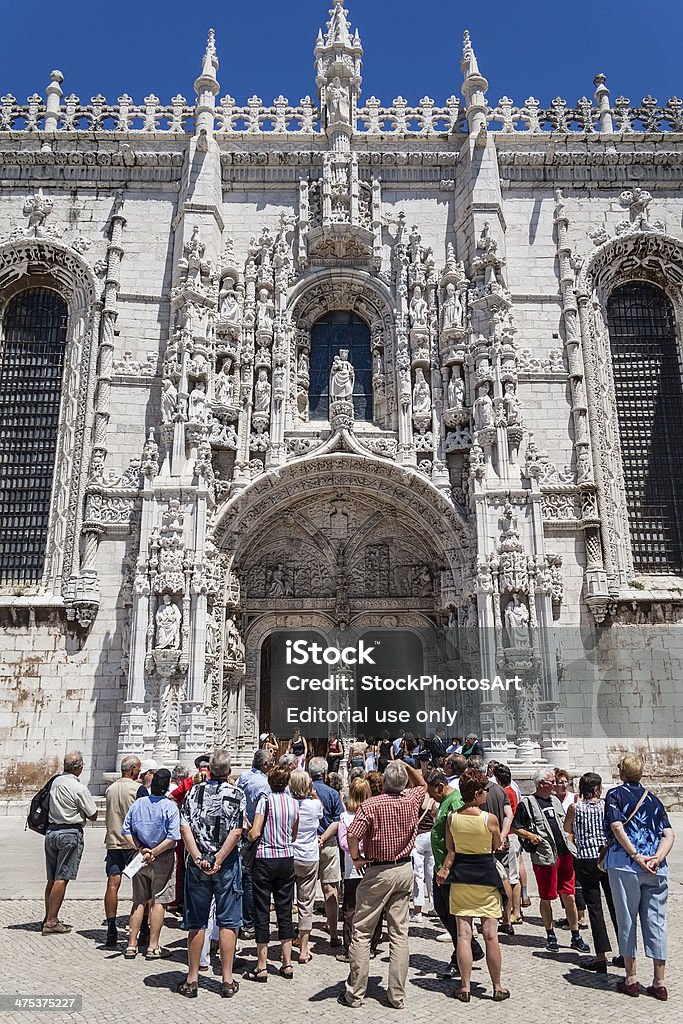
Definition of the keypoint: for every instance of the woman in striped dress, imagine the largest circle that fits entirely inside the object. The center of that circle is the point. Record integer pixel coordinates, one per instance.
(584, 824)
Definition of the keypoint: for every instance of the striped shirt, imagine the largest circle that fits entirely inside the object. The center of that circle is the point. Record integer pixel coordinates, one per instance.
(283, 811)
(589, 830)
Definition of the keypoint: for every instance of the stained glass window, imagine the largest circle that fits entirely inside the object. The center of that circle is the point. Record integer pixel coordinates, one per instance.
(31, 363)
(332, 333)
(649, 392)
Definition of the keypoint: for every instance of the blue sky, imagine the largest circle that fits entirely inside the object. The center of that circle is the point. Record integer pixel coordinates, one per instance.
(265, 47)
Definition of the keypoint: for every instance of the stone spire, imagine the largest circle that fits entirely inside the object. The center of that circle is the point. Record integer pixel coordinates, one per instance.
(338, 28)
(338, 64)
(474, 88)
(206, 88)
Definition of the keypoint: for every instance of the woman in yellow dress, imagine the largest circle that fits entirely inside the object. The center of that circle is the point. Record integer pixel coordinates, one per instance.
(476, 887)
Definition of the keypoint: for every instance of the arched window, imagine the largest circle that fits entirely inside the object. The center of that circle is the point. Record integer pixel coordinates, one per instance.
(649, 393)
(330, 334)
(31, 362)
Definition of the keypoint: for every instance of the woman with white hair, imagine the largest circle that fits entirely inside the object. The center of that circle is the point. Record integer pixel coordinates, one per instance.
(306, 855)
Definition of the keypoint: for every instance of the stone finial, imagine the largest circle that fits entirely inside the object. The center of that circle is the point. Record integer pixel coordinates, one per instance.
(338, 28)
(469, 64)
(206, 89)
(602, 103)
(210, 62)
(474, 89)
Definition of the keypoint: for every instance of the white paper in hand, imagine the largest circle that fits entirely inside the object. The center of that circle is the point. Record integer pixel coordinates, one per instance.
(134, 866)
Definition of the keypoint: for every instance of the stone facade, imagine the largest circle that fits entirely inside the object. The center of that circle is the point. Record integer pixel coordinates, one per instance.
(197, 506)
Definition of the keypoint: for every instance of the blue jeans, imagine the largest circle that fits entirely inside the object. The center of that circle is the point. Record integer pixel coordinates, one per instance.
(639, 895)
(225, 887)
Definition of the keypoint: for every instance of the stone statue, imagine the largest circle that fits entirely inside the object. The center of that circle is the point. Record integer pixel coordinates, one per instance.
(265, 312)
(168, 625)
(234, 647)
(452, 312)
(517, 622)
(223, 385)
(303, 364)
(418, 308)
(422, 399)
(231, 313)
(456, 390)
(342, 377)
(169, 401)
(277, 583)
(263, 392)
(484, 416)
(337, 97)
(198, 407)
(511, 404)
(377, 362)
(211, 637)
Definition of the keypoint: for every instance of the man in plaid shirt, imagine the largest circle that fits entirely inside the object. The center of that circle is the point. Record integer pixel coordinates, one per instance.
(385, 828)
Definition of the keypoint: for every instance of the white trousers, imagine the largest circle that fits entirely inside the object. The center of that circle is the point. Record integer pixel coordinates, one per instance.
(423, 868)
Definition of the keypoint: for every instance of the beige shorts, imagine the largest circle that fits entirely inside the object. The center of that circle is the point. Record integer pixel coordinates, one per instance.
(156, 880)
(329, 870)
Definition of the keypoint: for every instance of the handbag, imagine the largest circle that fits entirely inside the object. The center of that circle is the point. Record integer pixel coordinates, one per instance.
(602, 852)
(249, 848)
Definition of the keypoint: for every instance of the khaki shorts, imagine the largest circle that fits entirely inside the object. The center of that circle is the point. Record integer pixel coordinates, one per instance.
(153, 882)
(329, 870)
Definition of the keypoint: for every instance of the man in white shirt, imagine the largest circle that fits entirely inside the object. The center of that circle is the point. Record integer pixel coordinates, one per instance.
(70, 805)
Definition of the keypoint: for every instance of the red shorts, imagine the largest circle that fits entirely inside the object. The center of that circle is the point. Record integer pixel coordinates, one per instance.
(555, 879)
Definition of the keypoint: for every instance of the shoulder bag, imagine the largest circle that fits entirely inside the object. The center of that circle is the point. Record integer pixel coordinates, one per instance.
(602, 854)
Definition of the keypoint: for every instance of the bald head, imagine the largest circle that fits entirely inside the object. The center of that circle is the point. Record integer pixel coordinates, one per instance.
(130, 766)
(73, 762)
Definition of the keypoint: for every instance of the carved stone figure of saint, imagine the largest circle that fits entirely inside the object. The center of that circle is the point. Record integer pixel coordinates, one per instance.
(302, 365)
(169, 401)
(223, 386)
(456, 390)
(422, 399)
(198, 409)
(583, 465)
(517, 622)
(377, 362)
(211, 637)
(484, 415)
(231, 313)
(233, 641)
(265, 311)
(452, 308)
(277, 583)
(262, 392)
(168, 625)
(511, 404)
(337, 97)
(342, 377)
(418, 308)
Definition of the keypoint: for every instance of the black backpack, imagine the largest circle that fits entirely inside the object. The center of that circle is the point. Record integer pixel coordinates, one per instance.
(39, 811)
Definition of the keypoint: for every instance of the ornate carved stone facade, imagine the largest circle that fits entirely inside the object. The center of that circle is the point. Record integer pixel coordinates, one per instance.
(199, 505)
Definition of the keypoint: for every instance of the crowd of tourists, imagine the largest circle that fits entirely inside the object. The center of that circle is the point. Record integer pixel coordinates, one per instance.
(427, 822)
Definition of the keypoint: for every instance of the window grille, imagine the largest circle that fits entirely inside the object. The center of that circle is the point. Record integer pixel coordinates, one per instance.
(335, 331)
(31, 364)
(649, 393)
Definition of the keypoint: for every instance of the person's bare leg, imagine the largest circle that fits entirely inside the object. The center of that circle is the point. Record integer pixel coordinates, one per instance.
(464, 949)
(48, 890)
(262, 955)
(507, 907)
(572, 912)
(303, 945)
(493, 958)
(286, 952)
(195, 943)
(156, 922)
(111, 896)
(516, 900)
(136, 916)
(658, 979)
(547, 915)
(55, 900)
(630, 968)
(227, 938)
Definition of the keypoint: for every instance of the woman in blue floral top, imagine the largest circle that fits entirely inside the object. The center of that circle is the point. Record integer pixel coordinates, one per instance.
(640, 838)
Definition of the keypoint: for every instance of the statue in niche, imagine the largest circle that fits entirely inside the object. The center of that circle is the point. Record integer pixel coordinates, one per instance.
(583, 466)
(302, 366)
(422, 399)
(456, 390)
(517, 622)
(211, 637)
(277, 586)
(263, 392)
(377, 362)
(198, 406)
(452, 312)
(231, 314)
(265, 312)
(223, 385)
(169, 401)
(342, 377)
(484, 416)
(234, 648)
(418, 308)
(337, 97)
(511, 404)
(168, 625)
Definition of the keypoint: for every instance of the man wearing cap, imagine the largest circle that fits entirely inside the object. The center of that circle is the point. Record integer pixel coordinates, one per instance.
(147, 770)
(152, 827)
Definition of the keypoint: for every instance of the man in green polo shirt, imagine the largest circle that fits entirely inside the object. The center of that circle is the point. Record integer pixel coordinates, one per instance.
(448, 798)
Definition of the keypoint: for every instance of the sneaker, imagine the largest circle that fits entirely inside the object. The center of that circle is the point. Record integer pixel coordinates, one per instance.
(415, 919)
(551, 943)
(449, 973)
(578, 943)
(444, 937)
(56, 929)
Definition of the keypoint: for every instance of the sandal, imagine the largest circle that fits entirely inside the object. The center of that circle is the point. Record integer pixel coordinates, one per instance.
(306, 959)
(229, 989)
(158, 953)
(500, 995)
(130, 953)
(462, 995)
(259, 974)
(188, 989)
(286, 971)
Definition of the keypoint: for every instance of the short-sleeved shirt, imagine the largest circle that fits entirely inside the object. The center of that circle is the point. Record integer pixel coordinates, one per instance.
(254, 784)
(306, 846)
(387, 824)
(118, 799)
(70, 801)
(213, 809)
(276, 839)
(524, 820)
(513, 797)
(152, 820)
(496, 801)
(450, 803)
(333, 808)
(644, 829)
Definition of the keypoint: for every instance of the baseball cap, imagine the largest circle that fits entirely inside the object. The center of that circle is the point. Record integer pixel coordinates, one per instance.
(148, 766)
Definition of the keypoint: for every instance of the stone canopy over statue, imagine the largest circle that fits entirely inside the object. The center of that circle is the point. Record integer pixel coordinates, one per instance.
(342, 378)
